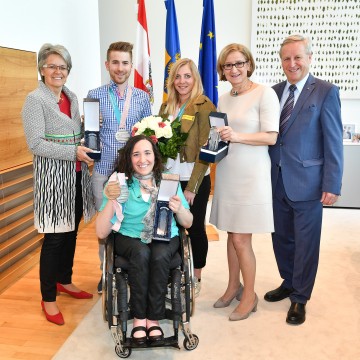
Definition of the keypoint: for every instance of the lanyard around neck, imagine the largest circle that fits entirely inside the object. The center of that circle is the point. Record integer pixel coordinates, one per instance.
(121, 118)
(181, 112)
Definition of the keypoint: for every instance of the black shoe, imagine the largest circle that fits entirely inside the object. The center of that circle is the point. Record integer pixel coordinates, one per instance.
(138, 341)
(155, 339)
(99, 287)
(296, 314)
(278, 294)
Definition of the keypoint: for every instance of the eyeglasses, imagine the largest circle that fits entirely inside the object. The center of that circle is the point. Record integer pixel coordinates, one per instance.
(54, 67)
(238, 65)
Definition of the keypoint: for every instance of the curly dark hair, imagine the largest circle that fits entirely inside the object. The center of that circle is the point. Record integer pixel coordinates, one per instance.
(124, 164)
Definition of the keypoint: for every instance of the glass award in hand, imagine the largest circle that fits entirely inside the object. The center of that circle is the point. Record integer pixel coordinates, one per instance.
(163, 220)
(214, 138)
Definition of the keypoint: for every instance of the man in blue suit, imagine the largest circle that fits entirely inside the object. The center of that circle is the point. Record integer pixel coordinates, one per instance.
(307, 167)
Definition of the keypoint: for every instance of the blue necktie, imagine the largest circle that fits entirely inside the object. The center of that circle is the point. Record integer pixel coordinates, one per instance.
(287, 109)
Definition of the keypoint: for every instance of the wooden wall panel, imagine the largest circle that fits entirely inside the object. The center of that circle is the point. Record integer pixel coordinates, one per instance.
(18, 76)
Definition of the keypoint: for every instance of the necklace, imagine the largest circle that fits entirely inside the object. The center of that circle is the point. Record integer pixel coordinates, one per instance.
(235, 92)
(61, 99)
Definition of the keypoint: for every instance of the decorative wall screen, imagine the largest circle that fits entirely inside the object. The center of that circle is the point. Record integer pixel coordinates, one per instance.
(333, 26)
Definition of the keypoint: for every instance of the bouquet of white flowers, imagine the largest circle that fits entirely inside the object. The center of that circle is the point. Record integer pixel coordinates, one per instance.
(165, 134)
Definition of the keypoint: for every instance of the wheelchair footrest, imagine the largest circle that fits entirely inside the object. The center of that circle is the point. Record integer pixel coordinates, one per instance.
(170, 341)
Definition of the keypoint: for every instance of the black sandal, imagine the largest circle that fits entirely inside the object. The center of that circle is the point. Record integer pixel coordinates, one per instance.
(155, 338)
(140, 341)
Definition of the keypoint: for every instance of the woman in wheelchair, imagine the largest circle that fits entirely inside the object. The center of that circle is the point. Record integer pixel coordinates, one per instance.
(149, 261)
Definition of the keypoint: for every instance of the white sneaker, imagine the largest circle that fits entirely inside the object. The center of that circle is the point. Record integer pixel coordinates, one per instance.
(197, 286)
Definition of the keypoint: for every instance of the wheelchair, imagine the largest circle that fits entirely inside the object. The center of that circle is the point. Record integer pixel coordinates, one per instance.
(179, 307)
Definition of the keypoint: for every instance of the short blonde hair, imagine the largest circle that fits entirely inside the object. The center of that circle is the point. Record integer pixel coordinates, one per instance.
(225, 53)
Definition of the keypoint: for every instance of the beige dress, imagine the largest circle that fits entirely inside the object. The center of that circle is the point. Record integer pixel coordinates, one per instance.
(242, 201)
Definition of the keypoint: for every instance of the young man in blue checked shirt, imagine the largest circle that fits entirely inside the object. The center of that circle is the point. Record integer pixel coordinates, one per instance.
(121, 106)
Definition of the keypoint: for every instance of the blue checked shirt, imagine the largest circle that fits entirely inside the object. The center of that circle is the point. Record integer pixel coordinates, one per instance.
(139, 108)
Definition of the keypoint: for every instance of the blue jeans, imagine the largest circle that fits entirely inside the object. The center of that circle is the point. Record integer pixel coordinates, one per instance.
(97, 184)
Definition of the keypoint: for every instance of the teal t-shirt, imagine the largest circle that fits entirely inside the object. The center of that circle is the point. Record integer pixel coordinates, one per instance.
(135, 208)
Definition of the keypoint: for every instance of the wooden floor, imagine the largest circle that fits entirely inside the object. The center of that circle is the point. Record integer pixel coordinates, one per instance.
(212, 233)
(24, 331)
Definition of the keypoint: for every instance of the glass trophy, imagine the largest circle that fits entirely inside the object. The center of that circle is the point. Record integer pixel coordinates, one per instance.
(92, 127)
(163, 215)
(214, 138)
(163, 220)
(215, 149)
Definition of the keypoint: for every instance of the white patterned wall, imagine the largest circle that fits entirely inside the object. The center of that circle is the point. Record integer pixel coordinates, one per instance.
(333, 26)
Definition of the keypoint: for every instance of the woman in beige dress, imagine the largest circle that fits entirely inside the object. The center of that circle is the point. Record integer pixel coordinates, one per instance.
(242, 203)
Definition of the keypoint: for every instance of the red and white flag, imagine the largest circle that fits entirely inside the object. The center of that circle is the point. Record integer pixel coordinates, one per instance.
(143, 78)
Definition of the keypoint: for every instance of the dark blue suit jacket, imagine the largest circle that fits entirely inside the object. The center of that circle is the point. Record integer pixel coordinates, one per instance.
(310, 149)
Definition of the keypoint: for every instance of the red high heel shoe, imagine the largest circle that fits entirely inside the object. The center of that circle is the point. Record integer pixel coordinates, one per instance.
(77, 295)
(56, 319)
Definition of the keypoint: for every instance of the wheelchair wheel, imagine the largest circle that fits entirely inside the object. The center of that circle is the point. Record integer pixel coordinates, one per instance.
(188, 346)
(109, 302)
(125, 353)
(107, 280)
(104, 287)
(189, 270)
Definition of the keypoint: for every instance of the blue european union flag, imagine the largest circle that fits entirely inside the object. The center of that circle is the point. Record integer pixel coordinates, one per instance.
(207, 53)
(172, 42)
